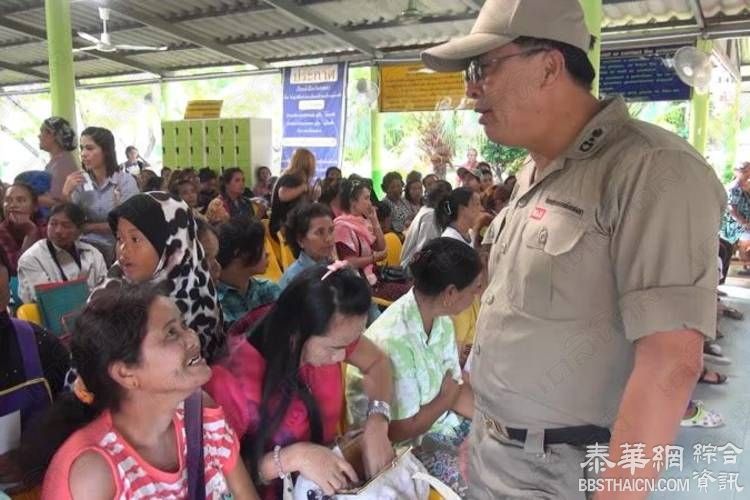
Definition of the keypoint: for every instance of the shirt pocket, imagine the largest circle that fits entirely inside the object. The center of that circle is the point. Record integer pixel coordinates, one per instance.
(546, 267)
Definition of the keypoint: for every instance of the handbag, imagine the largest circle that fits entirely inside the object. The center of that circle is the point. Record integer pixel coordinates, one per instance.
(33, 395)
(194, 437)
(59, 300)
(393, 274)
(404, 479)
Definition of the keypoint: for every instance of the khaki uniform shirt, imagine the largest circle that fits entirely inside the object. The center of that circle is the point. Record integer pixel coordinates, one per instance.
(613, 241)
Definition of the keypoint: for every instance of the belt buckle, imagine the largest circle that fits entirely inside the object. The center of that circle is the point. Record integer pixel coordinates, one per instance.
(493, 426)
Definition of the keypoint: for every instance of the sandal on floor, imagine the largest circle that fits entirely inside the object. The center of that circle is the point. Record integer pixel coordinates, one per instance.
(713, 354)
(702, 418)
(719, 380)
(732, 313)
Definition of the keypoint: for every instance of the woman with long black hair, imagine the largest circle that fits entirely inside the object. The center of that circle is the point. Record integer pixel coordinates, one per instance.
(282, 386)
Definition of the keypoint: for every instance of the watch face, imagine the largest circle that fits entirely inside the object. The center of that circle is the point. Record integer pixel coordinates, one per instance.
(380, 408)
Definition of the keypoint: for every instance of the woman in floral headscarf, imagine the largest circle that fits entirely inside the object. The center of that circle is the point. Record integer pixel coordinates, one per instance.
(157, 242)
(58, 138)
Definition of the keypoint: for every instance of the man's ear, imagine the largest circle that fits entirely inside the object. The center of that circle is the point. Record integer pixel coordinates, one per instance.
(554, 67)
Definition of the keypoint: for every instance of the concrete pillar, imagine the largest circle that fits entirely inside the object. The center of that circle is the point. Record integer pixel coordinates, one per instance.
(376, 142)
(60, 50)
(699, 109)
(592, 10)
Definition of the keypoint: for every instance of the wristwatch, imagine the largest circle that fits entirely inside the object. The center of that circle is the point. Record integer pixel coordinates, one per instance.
(379, 408)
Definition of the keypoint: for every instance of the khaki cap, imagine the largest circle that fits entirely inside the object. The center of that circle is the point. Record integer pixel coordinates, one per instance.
(502, 21)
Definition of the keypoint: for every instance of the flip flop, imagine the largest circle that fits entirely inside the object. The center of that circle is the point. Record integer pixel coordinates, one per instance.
(732, 313)
(719, 380)
(702, 418)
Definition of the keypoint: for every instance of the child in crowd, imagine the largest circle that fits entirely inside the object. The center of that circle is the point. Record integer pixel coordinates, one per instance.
(157, 242)
(242, 255)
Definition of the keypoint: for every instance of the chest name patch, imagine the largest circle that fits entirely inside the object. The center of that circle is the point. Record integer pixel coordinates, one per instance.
(538, 213)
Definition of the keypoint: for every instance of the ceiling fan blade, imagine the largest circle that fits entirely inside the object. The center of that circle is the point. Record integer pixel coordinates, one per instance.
(86, 36)
(84, 49)
(140, 47)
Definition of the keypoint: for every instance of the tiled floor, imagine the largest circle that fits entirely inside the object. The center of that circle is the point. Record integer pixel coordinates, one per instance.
(733, 402)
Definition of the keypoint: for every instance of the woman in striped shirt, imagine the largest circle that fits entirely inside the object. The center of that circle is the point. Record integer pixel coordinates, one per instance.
(124, 428)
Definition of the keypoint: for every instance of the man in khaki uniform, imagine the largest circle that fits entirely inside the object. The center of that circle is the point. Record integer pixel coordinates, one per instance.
(602, 273)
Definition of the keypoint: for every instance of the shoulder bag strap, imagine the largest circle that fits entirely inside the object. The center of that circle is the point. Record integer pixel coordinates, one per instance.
(194, 436)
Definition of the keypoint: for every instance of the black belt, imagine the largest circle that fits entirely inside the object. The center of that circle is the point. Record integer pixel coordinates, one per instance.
(582, 435)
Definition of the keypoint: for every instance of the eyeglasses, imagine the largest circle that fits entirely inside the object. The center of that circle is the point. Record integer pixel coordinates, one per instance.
(476, 70)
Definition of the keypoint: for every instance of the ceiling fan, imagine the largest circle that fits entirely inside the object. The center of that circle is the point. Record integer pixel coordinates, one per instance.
(104, 43)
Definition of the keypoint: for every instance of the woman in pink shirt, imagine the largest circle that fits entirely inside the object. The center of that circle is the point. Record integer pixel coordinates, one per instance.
(124, 428)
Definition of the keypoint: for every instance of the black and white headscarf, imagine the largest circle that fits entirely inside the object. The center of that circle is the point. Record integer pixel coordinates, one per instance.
(169, 225)
(64, 134)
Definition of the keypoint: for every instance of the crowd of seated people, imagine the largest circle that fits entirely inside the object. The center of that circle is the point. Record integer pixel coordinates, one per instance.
(184, 297)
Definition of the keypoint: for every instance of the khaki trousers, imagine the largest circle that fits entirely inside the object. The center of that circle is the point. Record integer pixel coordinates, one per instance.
(501, 468)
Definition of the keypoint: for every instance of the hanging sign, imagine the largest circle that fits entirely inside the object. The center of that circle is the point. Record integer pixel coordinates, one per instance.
(412, 87)
(314, 111)
(642, 75)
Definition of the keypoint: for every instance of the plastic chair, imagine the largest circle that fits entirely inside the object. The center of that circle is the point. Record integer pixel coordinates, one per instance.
(275, 246)
(434, 495)
(287, 257)
(343, 421)
(31, 313)
(273, 271)
(33, 494)
(393, 249)
(381, 302)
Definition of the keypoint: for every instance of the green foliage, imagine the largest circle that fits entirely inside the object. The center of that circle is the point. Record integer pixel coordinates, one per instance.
(676, 116)
(509, 159)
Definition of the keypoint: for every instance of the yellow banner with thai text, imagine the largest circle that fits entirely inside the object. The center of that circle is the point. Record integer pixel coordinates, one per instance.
(412, 87)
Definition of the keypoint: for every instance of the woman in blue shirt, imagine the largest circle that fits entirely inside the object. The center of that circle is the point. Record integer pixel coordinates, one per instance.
(308, 230)
(100, 189)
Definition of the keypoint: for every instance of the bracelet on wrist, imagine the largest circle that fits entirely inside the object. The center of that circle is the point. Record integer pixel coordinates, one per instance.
(277, 460)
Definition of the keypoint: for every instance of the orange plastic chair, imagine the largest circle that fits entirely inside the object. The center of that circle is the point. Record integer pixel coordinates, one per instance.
(434, 495)
(344, 421)
(33, 494)
(393, 249)
(273, 271)
(30, 312)
(275, 247)
(381, 302)
(287, 257)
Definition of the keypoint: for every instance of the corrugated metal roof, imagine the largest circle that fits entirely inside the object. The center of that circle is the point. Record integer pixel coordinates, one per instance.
(182, 58)
(642, 12)
(254, 29)
(14, 78)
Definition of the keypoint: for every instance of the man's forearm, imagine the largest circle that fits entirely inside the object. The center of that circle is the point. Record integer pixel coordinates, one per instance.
(655, 399)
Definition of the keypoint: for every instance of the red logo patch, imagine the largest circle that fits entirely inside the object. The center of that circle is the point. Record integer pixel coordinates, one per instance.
(538, 213)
